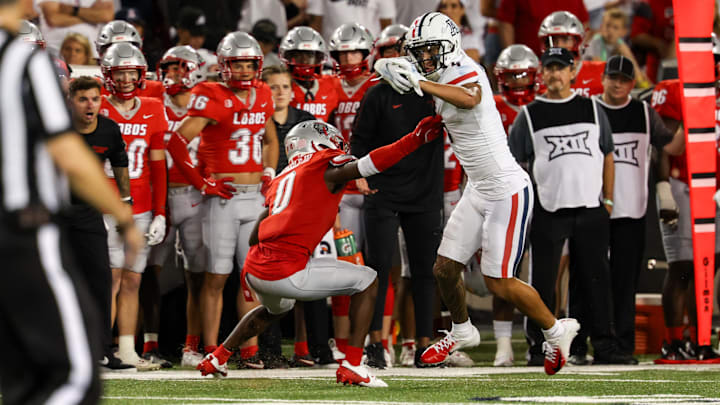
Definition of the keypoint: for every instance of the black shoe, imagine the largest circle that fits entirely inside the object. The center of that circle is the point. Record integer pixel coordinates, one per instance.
(674, 352)
(112, 363)
(271, 360)
(688, 349)
(536, 360)
(301, 361)
(375, 353)
(325, 358)
(253, 363)
(706, 353)
(153, 356)
(578, 360)
(418, 360)
(614, 358)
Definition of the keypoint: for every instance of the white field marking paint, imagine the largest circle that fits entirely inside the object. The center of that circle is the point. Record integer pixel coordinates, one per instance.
(249, 401)
(609, 399)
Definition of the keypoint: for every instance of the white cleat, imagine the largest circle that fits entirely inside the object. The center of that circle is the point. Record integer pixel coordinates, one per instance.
(557, 350)
(407, 356)
(459, 359)
(190, 358)
(134, 360)
(337, 354)
(439, 352)
(357, 375)
(504, 359)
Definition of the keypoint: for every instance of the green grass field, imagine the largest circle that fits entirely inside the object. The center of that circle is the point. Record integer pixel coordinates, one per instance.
(643, 384)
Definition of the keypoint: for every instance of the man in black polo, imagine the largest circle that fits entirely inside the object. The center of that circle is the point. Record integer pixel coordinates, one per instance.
(566, 141)
(635, 129)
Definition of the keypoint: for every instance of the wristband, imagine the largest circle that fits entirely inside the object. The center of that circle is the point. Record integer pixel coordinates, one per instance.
(608, 201)
(127, 200)
(269, 171)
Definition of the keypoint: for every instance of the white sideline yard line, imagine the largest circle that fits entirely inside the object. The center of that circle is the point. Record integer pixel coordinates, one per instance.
(413, 373)
(246, 401)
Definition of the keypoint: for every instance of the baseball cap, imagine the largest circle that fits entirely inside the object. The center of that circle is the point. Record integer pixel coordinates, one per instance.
(557, 55)
(265, 31)
(193, 20)
(131, 15)
(619, 64)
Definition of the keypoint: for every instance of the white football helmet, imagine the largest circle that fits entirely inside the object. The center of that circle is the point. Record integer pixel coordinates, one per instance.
(123, 56)
(31, 34)
(515, 63)
(313, 136)
(351, 37)
(191, 63)
(433, 38)
(561, 23)
(115, 32)
(239, 46)
(304, 52)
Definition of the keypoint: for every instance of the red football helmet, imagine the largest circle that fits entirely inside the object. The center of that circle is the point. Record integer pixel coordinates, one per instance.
(516, 71)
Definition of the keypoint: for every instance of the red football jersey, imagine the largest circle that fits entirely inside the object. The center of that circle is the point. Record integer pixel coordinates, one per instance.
(588, 81)
(234, 143)
(301, 209)
(453, 169)
(175, 115)
(348, 104)
(143, 129)
(153, 89)
(667, 101)
(507, 110)
(320, 100)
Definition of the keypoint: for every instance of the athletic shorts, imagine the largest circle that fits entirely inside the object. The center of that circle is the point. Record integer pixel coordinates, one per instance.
(185, 206)
(116, 245)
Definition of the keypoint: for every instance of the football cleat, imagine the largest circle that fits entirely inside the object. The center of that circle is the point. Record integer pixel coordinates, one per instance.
(154, 357)
(375, 353)
(459, 359)
(439, 352)
(407, 355)
(190, 358)
(134, 360)
(357, 375)
(302, 361)
(557, 349)
(676, 352)
(253, 363)
(112, 363)
(210, 365)
(337, 354)
(504, 356)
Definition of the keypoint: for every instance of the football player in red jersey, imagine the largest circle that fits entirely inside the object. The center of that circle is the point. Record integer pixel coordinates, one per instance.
(279, 266)
(238, 145)
(121, 31)
(562, 29)
(143, 123)
(350, 46)
(303, 51)
(179, 71)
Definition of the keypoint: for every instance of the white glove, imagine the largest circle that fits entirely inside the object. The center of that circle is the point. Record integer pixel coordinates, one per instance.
(668, 210)
(412, 75)
(156, 232)
(387, 69)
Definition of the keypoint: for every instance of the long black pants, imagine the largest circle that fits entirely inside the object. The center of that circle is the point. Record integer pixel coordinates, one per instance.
(422, 231)
(48, 346)
(588, 232)
(87, 239)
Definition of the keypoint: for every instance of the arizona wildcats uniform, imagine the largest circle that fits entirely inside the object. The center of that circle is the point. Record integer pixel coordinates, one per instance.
(183, 202)
(142, 129)
(232, 145)
(301, 210)
(495, 209)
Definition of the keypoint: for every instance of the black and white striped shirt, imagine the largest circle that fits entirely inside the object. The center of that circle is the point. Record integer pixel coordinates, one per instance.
(32, 111)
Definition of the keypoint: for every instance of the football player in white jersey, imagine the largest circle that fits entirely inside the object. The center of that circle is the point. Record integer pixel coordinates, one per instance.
(494, 212)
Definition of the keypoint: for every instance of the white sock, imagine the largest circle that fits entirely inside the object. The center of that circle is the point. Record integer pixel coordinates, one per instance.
(502, 329)
(126, 345)
(555, 331)
(462, 329)
(150, 337)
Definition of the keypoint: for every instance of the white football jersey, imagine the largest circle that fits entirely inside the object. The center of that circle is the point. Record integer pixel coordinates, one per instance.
(478, 137)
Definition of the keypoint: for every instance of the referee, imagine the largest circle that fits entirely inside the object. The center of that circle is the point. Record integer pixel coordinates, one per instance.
(86, 229)
(47, 343)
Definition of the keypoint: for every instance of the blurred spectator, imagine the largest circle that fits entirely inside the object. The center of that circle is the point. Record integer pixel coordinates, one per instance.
(210, 67)
(191, 27)
(408, 10)
(76, 50)
(470, 40)
(295, 12)
(153, 47)
(520, 19)
(491, 39)
(326, 15)
(256, 10)
(653, 33)
(265, 32)
(60, 17)
(132, 15)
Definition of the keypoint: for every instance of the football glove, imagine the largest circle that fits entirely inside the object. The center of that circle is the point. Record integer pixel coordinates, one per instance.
(218, 187)
(156, 231)
(410, 73)
(267, 176)
(666, 204)
(388, 70)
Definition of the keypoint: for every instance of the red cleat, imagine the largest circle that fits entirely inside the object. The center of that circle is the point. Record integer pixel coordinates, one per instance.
(210, 365)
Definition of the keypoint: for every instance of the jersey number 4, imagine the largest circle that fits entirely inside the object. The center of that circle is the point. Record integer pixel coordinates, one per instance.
(284, 191)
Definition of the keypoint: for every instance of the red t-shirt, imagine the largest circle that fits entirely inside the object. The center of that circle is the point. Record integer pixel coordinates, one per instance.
(301, 209)
(142, 130)
(654, 17)
(527, 15)
(234, 143)
(320, 100)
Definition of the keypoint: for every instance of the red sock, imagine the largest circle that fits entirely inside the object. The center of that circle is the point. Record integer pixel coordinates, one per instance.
(222, 354)
(408, 343)
(247, 352)
(693, 333)
(209, 349)
(385, 343)
(192, 343)
(301, 349)
(674, 333)
(150, 346)
(341, 344)
(353, 355)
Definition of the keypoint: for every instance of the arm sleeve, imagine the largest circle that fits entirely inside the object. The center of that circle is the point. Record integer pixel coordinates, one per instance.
(118, 155)
(659, 133)
(519, 139)
(506, 12)
(47, 95)
(606, 141)
(366, 120)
